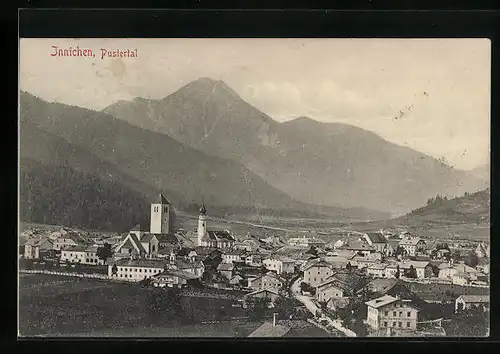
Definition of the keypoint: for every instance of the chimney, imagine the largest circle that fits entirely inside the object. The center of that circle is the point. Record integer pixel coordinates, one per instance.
(274, 319)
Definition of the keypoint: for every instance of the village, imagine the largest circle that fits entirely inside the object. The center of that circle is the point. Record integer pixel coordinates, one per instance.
(384, 283)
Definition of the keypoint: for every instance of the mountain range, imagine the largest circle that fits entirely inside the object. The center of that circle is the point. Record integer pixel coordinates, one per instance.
(329, 164)
(74, 158)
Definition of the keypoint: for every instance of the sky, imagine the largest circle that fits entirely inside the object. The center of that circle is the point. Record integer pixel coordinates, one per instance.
(432, 95)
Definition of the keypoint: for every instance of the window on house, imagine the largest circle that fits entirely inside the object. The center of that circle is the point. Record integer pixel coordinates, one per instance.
(393, 324)
(386, 313)
(400, 324)
(394, 314)
(408, 314)
(407, 324)
(400, 313)
(385, 324)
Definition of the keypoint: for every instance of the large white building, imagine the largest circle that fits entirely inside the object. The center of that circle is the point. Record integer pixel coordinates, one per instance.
(390, 312)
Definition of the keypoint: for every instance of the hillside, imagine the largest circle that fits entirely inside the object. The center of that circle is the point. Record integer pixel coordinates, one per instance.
(145, 161)
(470, 208)
(60, 195)
(317, 163)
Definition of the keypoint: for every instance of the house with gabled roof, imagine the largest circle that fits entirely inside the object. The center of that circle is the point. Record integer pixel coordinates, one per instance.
(377, 240)
(423, 269)
(466, 302)
(135, 269)
(392, 312)
(269, 280)
(75, 254)
(64, 242)
(412, 245)
(130, 247)
(317, 272)
(266, 293)
(226, 269)
(361, 248)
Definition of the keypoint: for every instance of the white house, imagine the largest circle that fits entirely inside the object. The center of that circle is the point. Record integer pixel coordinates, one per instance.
(62, 243)
(317, 272)
(412, 245)
(91, 256)
(390, 312)
(376, 270)
(136, 269)
(231, 256)
(75, 254)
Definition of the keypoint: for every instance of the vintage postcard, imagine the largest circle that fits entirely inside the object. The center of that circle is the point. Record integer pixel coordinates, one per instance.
(254, 187)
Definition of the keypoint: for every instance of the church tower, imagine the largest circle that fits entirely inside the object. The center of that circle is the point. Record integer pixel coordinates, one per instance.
(160, 216)
(202, 224)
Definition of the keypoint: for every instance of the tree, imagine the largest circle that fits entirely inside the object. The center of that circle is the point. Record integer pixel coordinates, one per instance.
(104, 252)
(114, 269)
(471, 260)
(411, 273)
(456, 256)
(286, 307)
(472, 322)
(258, 308)
(400, 251)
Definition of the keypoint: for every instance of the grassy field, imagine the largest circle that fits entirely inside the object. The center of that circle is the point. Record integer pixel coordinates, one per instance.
(67, 306)
(447, 292)
(203, 330)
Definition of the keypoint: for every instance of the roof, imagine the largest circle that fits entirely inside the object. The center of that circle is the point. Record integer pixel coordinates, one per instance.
(185, 251)
(203, 210)
(346, 280)
(218, 235)
(234, 252)
(146, 263)
(270, 274)
(165, 249)
(381, 301)
(92, 249)
(357, 246)
(378, 266)
(381, 286)
(147, 237)
(464, 268)
(268, 330)
(317, 263)
(225, 266)
(136, 228)
(162, 200)
(410, 241)
(376, 237)
(475, 298)
(75, 249)
(445, 266)
(415, 264)
(267, 290)
(131, 240)
(181, 264)
(178, 273)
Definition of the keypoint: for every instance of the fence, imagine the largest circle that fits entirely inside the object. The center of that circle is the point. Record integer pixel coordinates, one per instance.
(76, 275)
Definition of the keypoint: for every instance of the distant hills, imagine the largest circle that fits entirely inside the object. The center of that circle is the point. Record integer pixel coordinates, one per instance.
(470, 208)
(73, 158)
(482, 172)
(329, 164)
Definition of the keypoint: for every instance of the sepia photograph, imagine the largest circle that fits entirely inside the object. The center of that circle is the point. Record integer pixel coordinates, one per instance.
(255, 187)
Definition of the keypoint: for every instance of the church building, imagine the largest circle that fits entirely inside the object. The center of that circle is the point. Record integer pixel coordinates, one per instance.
(212, 238)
